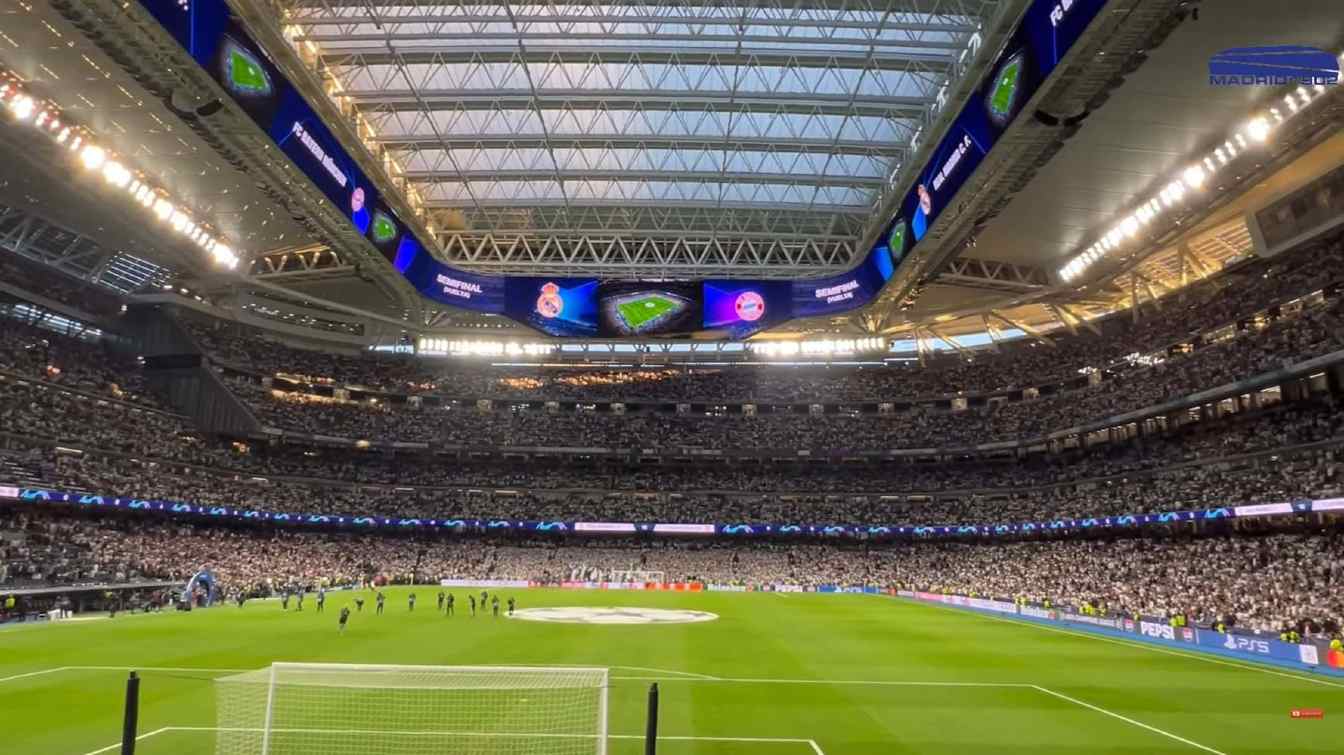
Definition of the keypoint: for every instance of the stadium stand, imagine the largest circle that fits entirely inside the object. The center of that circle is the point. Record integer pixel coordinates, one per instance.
(77, 416)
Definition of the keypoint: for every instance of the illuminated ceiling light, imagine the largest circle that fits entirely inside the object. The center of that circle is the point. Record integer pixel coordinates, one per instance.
(65, 134)
(22, 107)
(41, 118)
(1194, 176)
(1290, 102)
(116, 174)
(92, 156)
(1130, 226)
(163, 209)
(1258, 129)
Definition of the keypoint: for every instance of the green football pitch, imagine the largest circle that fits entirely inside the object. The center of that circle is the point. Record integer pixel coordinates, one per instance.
(645, 308)
(1005, 88)
(795, 674)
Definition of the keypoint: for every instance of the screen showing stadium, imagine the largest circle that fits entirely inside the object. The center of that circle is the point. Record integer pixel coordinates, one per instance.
(635, 308)
(744, 307)
(555, 306)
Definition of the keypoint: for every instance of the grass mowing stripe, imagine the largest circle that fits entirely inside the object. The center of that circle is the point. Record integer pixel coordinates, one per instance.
(1128, 720)
(1190, 654)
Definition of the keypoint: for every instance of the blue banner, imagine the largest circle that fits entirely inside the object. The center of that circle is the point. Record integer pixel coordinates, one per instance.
(849, 290)
(1047, 32)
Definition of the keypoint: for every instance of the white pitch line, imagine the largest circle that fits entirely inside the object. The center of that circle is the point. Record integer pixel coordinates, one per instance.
(1129, 720)
(164, 669)
(1189, 654)
(693, 678)
(837, 682)
(816, 748)
(669, 671)
(485, 734)
(33, 673)
(116, 746)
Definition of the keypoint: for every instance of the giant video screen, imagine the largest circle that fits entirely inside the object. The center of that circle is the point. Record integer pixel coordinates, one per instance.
(743, 307)
(629, 309)
(554, 306)
(582, 307)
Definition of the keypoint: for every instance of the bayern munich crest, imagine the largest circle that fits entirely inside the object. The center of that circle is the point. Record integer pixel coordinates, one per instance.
(750, 306)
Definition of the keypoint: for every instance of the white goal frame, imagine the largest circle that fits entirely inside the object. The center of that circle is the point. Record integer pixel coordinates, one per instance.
(272, 677)
(637, 576)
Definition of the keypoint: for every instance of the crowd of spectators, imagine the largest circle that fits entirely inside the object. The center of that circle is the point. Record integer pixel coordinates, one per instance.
(1283, 453)
(1260, 582)
(35, 409)
(93, 367)
(1289, 340)
(1253, 287)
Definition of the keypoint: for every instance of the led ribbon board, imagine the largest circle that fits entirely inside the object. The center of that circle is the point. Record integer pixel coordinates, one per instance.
(1048, 31)
(577, 307)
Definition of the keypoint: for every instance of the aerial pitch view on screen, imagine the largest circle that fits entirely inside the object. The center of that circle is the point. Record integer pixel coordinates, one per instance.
(788, 377)
(634, 309)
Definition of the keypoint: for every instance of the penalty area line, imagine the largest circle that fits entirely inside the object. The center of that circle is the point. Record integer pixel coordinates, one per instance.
(1128, 720)
(33, 673)
(811, 743)
(117, 746)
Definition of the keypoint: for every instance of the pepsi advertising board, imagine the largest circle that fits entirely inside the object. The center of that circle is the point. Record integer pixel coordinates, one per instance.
(555, 306)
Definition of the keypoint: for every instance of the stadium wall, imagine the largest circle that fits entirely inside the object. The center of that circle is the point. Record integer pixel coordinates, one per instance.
(1315, 657)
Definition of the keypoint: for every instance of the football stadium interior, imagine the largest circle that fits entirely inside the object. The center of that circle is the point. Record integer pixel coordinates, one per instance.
(769, 377)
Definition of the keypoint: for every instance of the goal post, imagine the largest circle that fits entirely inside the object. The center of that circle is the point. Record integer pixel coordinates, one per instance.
(360, 709)
(637, 576)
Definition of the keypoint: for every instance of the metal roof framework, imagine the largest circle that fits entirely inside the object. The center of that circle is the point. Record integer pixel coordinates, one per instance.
(643, 137)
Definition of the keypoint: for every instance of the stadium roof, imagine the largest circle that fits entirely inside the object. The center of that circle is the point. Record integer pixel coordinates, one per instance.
(766, 139)
(767, 131)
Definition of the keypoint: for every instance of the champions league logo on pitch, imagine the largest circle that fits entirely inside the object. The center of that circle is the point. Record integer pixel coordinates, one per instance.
(613, 615)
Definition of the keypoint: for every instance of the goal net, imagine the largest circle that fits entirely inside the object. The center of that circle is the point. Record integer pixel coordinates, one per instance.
(355, 709)
(636, 576)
